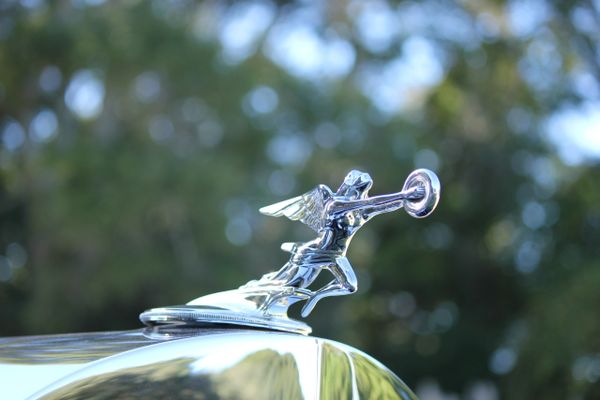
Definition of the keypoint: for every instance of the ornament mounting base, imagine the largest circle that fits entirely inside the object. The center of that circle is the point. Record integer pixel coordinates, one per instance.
(241, 307)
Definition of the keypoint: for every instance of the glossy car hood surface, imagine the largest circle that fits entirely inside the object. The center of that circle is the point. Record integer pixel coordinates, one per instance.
(191, 364)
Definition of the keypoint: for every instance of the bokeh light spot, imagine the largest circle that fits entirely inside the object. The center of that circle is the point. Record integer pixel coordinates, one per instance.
(295, 45)
(238, 231)
(43, 126)
(533, 215)
(13, 136)
(242, 26)
(50, 78)
(528, 256)
(289, 149)
(147, 86)
(402, 304)
(376, 24)
(574, 130)
(503, 361)
(210, 133)
(85, 94)
(161, 128)
(261, 100)
(586, 368)
(16, 254)
(525, 17)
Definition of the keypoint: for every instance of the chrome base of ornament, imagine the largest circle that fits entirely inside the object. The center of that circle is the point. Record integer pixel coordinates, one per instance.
(257, 307)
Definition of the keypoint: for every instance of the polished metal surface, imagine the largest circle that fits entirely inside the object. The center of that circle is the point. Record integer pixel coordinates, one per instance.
(335, 217)
(183, 363)
(29, 363)
(73, 348)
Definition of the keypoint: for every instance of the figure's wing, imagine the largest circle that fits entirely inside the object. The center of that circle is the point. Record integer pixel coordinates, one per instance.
(308, 208)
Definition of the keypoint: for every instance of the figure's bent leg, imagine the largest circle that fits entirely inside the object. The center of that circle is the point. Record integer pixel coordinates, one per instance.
(304, 276)
(344, 283)
(290, 294)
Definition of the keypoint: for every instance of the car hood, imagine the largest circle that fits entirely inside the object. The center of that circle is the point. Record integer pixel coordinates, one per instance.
(191, 363)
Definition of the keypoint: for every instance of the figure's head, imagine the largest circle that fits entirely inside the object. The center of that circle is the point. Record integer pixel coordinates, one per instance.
(356, 185)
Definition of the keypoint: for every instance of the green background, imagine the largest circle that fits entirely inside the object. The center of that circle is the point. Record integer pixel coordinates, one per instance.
(139, 139)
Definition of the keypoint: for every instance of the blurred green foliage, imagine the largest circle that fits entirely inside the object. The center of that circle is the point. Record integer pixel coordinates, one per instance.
(139, 139)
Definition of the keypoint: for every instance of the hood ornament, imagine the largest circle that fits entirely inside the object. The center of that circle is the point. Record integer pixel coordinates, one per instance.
(336, 217)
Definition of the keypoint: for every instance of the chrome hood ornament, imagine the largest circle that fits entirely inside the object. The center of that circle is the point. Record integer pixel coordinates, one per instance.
(335, 217)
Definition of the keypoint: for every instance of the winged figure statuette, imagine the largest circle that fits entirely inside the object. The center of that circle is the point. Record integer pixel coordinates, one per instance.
(335, 217)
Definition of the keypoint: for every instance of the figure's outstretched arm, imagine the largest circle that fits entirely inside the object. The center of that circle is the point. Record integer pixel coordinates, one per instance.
(419, 197)
(378, 204)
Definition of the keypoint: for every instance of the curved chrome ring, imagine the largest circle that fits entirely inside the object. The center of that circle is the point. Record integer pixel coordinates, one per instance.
(421, 208)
